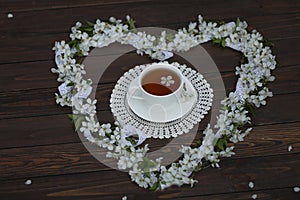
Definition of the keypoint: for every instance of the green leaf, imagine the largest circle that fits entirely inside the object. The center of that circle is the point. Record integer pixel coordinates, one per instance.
(88, 28)
(132, 140)
(227, 108)
(198, 168)
(170, 37)
(78, 123)
(146, 164)
(71, 84)
(155, 186)
(267, 42)
(128, 149)
(244, 59)
(70, 116)
(220, 22)
(198, 143)
(250, 107)
(216, 41)
(147, 174)
(221, 143)
(108, 135)
(223, 42)
(77, 120)
(131, 23)
(219, 41)
(90, 23)
(238, 21)
(73, 44)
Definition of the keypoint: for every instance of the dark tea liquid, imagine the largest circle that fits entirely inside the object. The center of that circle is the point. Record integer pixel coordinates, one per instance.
(153, 83)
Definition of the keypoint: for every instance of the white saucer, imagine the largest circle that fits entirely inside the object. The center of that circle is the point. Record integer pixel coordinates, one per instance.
(158, 112)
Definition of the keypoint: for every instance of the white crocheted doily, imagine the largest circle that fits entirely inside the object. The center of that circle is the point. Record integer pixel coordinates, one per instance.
(125, 116)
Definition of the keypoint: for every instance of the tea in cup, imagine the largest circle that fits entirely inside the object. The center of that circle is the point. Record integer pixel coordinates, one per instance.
(159, 83)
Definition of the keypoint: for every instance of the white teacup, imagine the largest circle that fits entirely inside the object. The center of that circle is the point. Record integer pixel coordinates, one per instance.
(159, 84)
(161, 93)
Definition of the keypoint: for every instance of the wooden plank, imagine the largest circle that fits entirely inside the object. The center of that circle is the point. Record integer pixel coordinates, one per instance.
(37, 75)
(285, 193)
(286, 52)
(30, 103)
(285, 79)
(284, 26)
(269, 7)
(27, 33)
(266, 172)
(34, 131)
(34, 75)
(23, 5)
(29, 75)
(42, 130)
(270, 140)
(41, 102)
(146, 13)
(53, 159)
(29, 48)
(47, 160)
(273, 27)
(266, 114)
(39, 47)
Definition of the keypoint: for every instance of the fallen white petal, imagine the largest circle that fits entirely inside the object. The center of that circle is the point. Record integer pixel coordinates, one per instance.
(254, 196)
(296, 189)
(10, 15)
(28, 182)
(124, 198)
(251, 184)
(290, 148)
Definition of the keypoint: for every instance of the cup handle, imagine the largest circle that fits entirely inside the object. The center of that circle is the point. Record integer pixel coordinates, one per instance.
(135, 93)
(186, 95)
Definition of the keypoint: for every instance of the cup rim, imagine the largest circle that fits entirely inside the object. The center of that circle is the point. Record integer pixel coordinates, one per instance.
(164, 65)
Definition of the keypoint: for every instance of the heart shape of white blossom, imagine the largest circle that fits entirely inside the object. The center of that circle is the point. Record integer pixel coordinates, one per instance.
(250, 92)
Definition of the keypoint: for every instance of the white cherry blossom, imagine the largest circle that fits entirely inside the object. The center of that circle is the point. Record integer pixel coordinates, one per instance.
(167, 81)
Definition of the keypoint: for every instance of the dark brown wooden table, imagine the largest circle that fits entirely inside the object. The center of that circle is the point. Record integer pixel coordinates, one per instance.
(38, 141)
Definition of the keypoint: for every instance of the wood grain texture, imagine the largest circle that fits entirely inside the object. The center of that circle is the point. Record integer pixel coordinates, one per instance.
(36, 75)
(41, 102)
(38, 141)
(278, 194)
(23, 5)
(53, 159)
(267, 6)
(33, 131)
(41, 49)
(233, 177)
